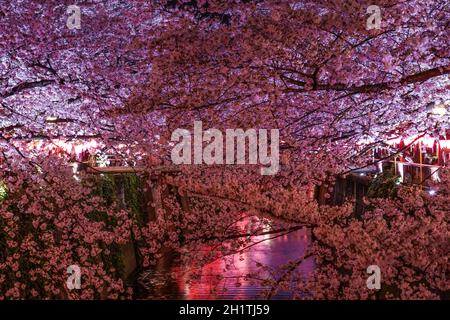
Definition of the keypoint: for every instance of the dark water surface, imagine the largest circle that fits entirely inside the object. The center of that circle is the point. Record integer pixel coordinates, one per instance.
(218, 282)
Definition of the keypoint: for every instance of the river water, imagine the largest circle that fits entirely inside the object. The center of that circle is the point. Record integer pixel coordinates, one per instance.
(223, 279)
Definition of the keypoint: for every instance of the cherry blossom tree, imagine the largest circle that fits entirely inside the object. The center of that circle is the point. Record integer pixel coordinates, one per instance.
(134, 72)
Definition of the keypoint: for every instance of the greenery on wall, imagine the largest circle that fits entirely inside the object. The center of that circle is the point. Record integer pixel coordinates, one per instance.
(110, 187)
(3, 191)
(384, 185)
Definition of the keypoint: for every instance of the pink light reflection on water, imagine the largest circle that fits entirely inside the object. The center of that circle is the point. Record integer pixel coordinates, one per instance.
(270, 252)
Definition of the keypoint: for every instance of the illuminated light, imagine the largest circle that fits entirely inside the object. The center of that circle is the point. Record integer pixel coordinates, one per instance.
(380, 166)
(51, 119)
(75, 170)
(102, 160)
(435, 174)
(363, 141)
(445, 144)
(401, 171)
(432, 192)
(428, 142)
(393, 141)
(76, 146)
(439, 110)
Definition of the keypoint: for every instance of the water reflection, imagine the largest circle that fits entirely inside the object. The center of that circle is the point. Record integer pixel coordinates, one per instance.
(225, 278)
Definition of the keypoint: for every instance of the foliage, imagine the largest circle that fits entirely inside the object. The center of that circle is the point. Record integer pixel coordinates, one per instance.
(135, 71)
(50, 222)
(3, 191)
(384, 185)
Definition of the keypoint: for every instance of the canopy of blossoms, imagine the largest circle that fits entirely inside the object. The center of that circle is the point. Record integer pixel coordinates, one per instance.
(132, 72)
